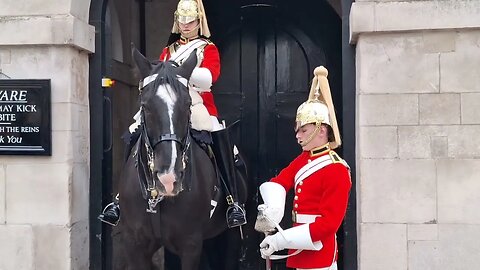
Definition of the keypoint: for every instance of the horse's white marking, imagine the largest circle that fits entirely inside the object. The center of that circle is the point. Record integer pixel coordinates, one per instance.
(166, 93)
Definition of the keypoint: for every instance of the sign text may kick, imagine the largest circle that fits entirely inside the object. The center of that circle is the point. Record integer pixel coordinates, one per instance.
(25, 124)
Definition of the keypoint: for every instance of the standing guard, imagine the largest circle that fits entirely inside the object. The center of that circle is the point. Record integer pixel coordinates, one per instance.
(321, 181)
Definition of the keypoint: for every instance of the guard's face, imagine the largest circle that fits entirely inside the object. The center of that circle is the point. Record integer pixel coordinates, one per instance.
(187, 27)
(309, 137)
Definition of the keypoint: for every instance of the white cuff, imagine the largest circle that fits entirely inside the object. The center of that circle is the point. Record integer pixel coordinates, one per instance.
(299, 238)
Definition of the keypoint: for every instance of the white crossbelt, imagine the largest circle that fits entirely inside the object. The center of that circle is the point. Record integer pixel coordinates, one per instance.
(184, 51)
(312, 167)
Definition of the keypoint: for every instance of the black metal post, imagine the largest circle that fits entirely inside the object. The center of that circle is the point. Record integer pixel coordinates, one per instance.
(96, 100)
(348, 116)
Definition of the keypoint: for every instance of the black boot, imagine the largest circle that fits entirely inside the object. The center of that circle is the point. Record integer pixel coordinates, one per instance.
(223, 152)
(111, 213)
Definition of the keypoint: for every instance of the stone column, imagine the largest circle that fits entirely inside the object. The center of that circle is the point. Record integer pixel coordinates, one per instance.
(418, 120)
(44, 200)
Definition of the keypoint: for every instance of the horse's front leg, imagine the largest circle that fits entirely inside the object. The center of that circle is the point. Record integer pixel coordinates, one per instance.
(191, 253)
(138, 251)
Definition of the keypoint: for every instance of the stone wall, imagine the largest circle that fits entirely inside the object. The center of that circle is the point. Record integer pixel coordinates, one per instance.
(418, 120)
(44, 200)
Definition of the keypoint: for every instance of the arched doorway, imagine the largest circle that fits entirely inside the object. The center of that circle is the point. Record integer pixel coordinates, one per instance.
(268, 49)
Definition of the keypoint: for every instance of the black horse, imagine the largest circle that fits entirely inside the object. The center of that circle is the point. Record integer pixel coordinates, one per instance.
(169, 180)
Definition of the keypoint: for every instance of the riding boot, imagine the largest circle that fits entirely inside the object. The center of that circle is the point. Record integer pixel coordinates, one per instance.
(223, 152)
(111, 213)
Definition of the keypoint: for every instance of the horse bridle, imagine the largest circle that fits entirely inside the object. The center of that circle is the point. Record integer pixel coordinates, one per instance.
(167, 137)
(150, 147)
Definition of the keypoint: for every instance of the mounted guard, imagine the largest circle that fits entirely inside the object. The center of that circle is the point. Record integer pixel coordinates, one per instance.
(190, 33)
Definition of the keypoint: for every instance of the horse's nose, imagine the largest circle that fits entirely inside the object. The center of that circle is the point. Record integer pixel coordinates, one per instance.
(167, 180)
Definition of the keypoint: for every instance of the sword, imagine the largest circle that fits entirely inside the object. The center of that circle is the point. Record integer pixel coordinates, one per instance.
(268, 263)
(260, 228)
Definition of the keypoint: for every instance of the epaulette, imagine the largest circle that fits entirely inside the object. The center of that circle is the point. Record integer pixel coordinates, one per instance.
(172, 48)
(337, 159)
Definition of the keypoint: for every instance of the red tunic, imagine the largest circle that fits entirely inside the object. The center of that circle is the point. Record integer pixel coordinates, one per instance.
(211, 61)
(324, 193)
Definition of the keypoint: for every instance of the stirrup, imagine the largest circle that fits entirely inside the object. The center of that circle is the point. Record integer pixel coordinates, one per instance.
(235, 215)
(110, 214)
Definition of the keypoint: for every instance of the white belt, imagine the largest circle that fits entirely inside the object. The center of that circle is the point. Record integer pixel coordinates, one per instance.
(304, 218)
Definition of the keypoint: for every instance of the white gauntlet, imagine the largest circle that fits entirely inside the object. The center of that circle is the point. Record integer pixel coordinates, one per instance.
(293, 238)
(272, 211)
(200, 80)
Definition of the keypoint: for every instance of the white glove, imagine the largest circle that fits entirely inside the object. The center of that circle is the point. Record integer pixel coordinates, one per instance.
(275, 214)
(294, 238)
(269, 217)
(271, 244)
(200, 80)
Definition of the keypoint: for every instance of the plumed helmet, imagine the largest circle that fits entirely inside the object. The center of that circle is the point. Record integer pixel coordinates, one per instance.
(319, 108)
(188, 11)
(312, 112)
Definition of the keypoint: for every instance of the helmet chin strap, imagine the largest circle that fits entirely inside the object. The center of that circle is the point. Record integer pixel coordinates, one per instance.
(314, 133)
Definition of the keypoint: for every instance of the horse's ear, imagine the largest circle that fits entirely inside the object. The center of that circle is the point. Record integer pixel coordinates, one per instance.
(185, 70)
(142, 63)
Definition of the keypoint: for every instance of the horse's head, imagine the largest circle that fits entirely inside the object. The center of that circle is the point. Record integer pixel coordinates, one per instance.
(165, 111)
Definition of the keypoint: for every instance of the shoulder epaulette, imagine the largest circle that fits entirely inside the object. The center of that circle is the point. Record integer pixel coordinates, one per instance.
(337, 159)
(172, 48)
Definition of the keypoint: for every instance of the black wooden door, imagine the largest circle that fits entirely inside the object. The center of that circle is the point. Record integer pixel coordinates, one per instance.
(268, 53)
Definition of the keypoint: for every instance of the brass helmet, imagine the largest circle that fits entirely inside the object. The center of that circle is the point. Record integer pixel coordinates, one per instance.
(319, 109)
(188, 11)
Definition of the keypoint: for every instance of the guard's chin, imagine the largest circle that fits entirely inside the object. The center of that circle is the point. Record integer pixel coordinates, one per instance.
(302, 145)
